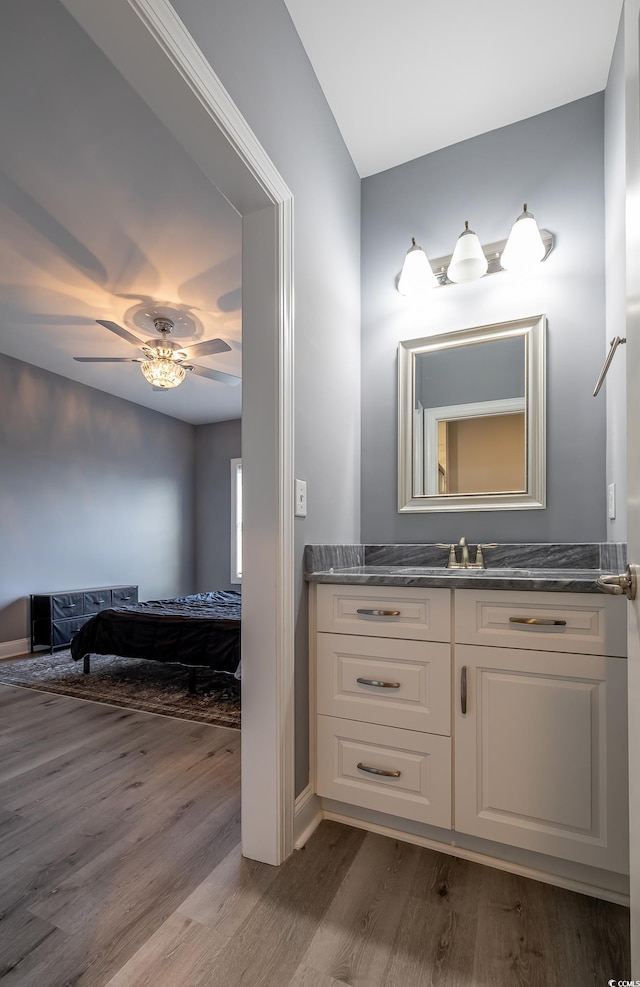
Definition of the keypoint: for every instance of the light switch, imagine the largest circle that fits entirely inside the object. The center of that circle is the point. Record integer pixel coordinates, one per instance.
(300, 509)
(611, 489)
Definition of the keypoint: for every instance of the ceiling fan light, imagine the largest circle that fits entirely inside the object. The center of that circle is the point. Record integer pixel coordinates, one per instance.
(417, 274)
(524, 248)
(468, 262)
(163, 373)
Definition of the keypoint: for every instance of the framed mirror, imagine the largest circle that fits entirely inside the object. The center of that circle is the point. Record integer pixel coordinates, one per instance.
(471, 419)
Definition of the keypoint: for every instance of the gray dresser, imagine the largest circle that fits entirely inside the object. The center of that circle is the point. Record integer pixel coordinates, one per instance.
(56, 617)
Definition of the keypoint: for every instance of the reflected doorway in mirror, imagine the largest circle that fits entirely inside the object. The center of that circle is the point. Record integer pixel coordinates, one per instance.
(471, 419)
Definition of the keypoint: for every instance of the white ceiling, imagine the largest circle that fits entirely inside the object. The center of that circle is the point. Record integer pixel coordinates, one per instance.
(406, 78)
(104, 216)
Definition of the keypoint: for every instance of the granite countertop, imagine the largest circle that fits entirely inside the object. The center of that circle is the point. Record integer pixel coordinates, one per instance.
(566, 568)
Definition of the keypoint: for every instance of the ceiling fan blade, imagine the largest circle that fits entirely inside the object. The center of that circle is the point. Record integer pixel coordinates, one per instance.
(108, 359)
(207, 347)
(119, 331)
(229, 379)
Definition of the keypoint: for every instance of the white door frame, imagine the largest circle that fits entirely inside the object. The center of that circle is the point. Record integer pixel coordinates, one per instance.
(632, 332)
(148, 43)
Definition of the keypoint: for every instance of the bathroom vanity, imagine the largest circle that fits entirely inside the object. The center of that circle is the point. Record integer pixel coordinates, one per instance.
(479, 712)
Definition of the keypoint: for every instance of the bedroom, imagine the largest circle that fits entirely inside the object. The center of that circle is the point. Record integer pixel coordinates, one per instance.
(105, 217)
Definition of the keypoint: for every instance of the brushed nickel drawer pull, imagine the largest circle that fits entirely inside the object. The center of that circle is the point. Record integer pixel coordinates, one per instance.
(100, 601)
(380, 684)
(463, 690)
(542, 621)
(69, 606)
(379, 613)
(378, 771)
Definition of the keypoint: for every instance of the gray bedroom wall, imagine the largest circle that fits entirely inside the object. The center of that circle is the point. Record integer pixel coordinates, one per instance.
(95, 491)
(614, 392)
(554, 162)
(216, 445)
(257, 54)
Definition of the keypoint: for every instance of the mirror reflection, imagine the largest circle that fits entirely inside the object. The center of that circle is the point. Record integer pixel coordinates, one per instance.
(471, 424)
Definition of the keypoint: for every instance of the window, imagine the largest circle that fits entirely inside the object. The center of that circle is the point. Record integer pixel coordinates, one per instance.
(236, 520)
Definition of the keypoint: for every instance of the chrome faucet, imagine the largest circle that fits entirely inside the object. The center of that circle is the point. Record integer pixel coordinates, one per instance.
(465, 562)
(464, 553)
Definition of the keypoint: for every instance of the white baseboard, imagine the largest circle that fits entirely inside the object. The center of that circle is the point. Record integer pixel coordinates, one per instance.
(12, 649)
(307, 814)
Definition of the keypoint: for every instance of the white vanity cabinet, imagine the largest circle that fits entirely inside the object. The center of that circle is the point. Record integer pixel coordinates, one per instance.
(540, 723)
(493, 715)
(383, 699)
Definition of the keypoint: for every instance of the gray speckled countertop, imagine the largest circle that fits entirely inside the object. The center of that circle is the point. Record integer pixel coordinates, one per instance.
(554, 568)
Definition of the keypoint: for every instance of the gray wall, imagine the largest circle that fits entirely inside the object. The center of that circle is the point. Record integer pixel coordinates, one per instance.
(257, 54)
(95, 491)
(554, 162)
(614, 393)
(216, 445)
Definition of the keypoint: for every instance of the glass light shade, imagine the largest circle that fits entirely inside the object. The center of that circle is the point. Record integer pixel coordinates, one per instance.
(468, 262)
(163, 373)
(524, 248)
(417, 274)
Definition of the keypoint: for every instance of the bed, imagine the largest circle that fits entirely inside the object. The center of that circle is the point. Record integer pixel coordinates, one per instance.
(202, 629)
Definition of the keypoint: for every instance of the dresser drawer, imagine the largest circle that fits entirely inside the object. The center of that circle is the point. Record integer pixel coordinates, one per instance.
(122, 596)
(403, 684)
(97, 600)
(418, 785)
(63, 630)
(412, 613)
(580, 623)
(67, 605)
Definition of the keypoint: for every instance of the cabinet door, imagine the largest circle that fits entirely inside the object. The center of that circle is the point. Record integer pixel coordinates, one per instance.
(541, 753)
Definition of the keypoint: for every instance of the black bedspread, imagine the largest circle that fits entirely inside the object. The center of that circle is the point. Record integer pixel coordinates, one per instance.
(202, 629)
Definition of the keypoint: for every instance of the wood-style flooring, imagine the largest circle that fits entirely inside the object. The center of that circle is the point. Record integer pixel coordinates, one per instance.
(120, 865)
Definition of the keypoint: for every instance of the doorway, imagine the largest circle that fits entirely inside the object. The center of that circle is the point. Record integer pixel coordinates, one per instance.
(149, 45)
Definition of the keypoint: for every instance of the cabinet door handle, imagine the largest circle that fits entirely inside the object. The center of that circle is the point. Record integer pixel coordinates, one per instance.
(378, 771)
(379, 613)
(539, 621)
(463, 690)
(380, 684)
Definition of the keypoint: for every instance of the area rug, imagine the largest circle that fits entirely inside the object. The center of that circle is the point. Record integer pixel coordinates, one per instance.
(153, 687)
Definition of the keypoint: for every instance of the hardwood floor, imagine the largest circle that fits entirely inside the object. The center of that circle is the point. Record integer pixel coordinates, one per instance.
(120, 865)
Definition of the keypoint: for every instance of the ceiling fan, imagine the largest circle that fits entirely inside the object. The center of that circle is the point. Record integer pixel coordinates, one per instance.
(164, 362)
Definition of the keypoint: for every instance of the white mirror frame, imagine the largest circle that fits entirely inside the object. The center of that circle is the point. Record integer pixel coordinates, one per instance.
(534, 497)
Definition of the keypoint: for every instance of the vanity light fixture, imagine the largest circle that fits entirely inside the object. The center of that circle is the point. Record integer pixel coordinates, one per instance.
(416, 274)
(468, 262)
(526, 247)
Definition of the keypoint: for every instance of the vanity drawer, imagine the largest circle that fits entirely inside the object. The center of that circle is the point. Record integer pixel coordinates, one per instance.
(409, 612)
(418, 785)
(403, 684)
(587, 623)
